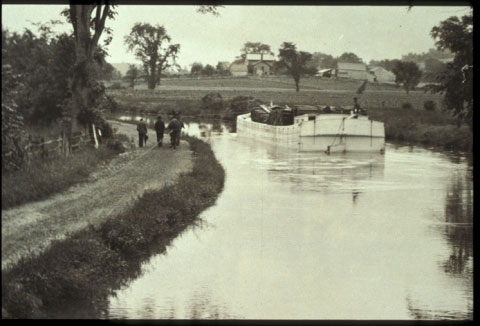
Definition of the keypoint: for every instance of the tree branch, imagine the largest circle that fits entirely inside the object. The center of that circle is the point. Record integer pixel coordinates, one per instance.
(99, 26)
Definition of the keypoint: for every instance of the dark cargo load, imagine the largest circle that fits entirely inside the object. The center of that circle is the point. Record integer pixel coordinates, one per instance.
(259, 115)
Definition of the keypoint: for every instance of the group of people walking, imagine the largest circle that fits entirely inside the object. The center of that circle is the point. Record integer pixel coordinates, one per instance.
(174, 128)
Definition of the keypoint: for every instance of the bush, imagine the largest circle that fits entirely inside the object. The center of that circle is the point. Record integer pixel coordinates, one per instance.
(213, 101)
(429, 105)
(407, 106)
(242, 104)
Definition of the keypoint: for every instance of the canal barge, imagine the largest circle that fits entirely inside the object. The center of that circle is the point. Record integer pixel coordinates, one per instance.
(326, 128)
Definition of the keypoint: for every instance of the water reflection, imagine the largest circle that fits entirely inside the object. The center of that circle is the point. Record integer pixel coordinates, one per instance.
(459, 219)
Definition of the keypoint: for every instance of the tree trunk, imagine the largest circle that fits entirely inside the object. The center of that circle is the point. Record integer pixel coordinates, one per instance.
(151, 82)
(80, 72)
(297, 85)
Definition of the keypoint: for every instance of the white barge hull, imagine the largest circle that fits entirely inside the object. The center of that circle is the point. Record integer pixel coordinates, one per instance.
(331, 133)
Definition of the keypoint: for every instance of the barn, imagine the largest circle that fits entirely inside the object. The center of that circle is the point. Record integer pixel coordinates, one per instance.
(352, 70)
(239, 68)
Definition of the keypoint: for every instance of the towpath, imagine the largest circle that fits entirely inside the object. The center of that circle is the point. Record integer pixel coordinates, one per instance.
(111, 189)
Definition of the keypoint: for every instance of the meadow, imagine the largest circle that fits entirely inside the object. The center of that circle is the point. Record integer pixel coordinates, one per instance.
(404, 115)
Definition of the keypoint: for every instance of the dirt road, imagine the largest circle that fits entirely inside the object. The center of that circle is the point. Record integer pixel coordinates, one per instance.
(111, 189)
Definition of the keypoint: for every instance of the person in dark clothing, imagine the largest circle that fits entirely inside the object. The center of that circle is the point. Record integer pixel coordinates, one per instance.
(142, 132)
(175, 126)
(356, 106)
(160, 129)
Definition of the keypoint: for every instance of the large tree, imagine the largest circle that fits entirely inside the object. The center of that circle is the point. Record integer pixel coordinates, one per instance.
(151, 45)
(88, 23)
(456, 83)
(386, 63)
(408, 74)
(208, 70)
(349, 57)
(255, 47)
(196, 68)
(294, 61)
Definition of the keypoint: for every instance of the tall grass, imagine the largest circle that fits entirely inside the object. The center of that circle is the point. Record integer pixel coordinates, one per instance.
(429, 128)
(43, 177)
(74, 277)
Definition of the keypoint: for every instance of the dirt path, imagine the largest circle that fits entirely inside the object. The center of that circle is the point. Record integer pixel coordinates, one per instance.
(111, 189)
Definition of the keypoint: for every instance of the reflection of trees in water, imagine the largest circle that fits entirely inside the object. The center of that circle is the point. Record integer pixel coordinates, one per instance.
(459, 235)
(458, 231)
(438, 314)
(201, 306)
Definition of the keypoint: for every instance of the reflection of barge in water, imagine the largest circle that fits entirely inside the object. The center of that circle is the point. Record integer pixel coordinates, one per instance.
(326, 129)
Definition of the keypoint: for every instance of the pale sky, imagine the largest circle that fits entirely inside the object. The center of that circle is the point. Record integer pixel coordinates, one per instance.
(371, 32)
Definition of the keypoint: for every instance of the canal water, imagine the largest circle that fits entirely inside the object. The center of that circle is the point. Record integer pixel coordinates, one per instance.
(311, 236)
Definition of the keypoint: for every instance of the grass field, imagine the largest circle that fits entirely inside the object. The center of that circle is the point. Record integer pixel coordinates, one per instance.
(383, 102)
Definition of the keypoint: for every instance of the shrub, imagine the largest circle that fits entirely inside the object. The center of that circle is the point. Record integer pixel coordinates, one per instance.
(240, 104)
(213, 101)
(429, 105)
(407, 106)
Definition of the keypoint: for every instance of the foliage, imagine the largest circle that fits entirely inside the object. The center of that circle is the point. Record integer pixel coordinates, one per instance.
(88, 22)
(196, 69)
(255, 47)
(456, 82)
(294, 61)
(209, 9)
(322, 60)
(42, 65)
(408, 74)
(386, 63)
(213, 101)
(208, 70)
(433, 69)
(132, 75)
(407, 106)
(221, 69)
(431, 54)
(151, 45)
(349, 57)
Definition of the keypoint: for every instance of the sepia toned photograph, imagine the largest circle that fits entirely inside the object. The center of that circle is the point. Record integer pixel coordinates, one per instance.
(234, 161)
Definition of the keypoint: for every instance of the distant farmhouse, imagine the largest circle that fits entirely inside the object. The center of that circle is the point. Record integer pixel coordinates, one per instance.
(353, 71)
(239, 68)
(253, 64)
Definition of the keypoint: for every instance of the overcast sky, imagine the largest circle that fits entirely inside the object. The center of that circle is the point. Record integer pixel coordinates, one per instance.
(371, 32)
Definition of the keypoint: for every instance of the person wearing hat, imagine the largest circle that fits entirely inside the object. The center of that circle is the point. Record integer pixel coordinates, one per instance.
(174, 127)
(160, 129)
(142, 132)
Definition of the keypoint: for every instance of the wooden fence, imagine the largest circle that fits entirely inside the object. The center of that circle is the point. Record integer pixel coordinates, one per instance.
(43, 147)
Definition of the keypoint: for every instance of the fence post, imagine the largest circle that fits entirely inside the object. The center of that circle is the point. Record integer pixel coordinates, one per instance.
(95, 136)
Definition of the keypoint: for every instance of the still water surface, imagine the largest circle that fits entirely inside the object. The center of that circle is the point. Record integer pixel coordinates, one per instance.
(311, 236)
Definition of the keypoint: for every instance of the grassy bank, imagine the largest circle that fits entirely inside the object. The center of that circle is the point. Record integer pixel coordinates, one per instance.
(74, 277)
(44, 177)
(420, 127)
